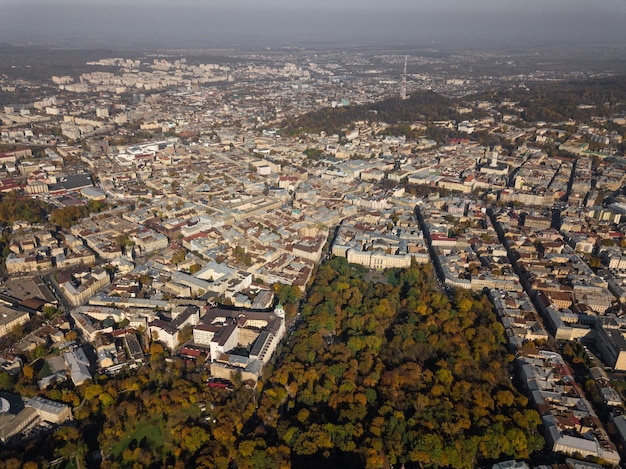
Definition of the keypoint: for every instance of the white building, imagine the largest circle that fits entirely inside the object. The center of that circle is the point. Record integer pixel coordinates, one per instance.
(78, 363)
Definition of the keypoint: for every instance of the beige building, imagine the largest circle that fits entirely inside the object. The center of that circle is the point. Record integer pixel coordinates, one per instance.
(20, 264)
(452, 185)
(12, 424)
(10, 319)
(87, 288)
(527, 198)
(382, 260)
(149, 241)
(71, 259)
(50, 411)
(612, 346)
(204, 333)
(309, 248)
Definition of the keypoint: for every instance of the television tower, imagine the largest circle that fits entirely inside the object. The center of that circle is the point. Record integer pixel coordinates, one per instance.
(403, 94)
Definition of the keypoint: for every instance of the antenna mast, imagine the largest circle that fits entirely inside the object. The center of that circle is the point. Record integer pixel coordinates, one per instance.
(403, 94)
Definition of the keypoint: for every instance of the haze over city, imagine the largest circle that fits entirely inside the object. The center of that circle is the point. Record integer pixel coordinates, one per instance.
(280, 22)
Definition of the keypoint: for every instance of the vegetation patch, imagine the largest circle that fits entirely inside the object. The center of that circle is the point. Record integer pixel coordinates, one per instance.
(146, 433)
(392, 373)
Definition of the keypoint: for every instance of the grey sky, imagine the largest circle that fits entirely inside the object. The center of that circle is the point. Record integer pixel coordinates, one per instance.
(475, 5)
(219, 22)
(413, 4)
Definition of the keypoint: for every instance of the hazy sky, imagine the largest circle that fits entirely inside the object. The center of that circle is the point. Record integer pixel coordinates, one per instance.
(414, 4)
(297, 22)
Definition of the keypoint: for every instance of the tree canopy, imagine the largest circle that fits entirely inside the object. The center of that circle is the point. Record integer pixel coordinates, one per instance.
(379, 373)
(422, 105)
(14, 207)
(391, 373)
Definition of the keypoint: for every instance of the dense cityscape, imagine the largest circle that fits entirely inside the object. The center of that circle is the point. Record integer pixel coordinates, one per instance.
(299, 257)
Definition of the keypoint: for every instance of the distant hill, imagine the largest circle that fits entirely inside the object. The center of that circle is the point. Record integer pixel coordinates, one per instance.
(559, 101)
(40, 63)
(542, 101)
(422, 105)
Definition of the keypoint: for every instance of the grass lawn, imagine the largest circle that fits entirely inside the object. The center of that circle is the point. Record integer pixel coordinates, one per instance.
(150, 430)
(45, 370)
(68, 464)
(192, 411)
(153, 430)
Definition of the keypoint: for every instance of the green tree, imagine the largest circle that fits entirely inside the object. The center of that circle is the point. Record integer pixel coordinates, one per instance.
(6, 382)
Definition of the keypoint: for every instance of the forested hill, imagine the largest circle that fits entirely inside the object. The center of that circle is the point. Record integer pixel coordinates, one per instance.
(422, 105)
(541, 101)
(559, 101)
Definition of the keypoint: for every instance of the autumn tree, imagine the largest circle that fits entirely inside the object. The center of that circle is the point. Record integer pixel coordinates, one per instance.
(394, 372)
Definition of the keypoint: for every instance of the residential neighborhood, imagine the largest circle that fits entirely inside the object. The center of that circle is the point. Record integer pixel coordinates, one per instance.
(184, 222)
